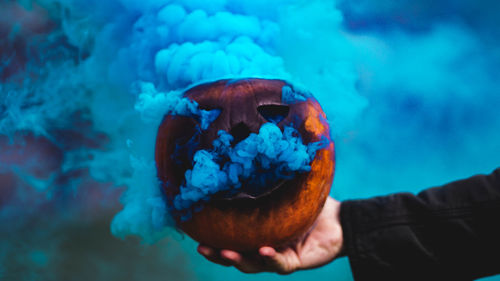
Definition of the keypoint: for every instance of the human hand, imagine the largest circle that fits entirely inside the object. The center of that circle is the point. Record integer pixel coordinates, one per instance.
(318, 247)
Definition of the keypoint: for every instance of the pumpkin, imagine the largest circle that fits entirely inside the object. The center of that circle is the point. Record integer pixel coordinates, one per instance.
(245, 222)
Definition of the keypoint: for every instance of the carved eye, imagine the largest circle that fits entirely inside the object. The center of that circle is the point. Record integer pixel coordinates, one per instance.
(274, 113)
(210, 115)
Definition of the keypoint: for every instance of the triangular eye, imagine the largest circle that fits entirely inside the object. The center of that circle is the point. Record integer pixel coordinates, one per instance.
(274, 113)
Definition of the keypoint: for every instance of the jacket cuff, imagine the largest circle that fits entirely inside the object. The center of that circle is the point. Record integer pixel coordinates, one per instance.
(350, 247)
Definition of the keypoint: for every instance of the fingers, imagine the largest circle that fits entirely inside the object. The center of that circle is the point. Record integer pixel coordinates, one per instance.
(212, 255)
(247, 263)
(280, 262)
(266, 260)
(267, 252)
(231, 256)
(272, 259)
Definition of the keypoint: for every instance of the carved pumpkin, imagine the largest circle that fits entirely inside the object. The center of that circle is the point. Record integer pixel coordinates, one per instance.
(245, 223)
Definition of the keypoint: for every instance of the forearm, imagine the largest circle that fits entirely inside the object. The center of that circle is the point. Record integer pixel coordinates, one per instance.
(450, 231)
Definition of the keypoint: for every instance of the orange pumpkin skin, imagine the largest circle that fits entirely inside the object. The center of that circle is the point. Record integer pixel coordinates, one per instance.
(245, 224)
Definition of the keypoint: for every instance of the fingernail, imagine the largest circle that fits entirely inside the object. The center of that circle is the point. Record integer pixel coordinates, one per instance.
(228, 255)
(267, 252)
(204, 251)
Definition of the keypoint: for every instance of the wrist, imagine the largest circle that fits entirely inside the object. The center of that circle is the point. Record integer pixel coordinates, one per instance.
(342, 249)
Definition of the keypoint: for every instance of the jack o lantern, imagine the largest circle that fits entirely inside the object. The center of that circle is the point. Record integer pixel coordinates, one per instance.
(247, 220)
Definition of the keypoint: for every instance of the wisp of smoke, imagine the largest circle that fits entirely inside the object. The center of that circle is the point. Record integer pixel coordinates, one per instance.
(410, 89)
(153, 103)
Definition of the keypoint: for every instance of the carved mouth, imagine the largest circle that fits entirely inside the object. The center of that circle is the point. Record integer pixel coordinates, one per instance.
(243, 194)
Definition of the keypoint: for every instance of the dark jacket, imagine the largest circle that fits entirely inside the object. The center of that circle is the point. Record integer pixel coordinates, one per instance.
(444, 233)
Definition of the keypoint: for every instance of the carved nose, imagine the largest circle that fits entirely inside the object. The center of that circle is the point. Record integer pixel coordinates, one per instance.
(240, 132)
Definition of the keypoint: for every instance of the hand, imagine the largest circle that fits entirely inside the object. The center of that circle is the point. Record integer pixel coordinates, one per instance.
(318, 247)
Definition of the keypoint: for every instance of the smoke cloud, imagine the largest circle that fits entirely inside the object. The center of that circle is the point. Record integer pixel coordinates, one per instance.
(410, 90)
(260, 161)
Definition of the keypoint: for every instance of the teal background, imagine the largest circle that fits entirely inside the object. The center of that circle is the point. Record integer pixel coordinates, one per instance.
(411, 90)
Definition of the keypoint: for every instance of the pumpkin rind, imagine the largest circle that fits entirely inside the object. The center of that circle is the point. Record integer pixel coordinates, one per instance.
(245, 224)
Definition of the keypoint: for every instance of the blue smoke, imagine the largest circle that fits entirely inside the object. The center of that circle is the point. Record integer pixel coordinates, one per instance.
(289, 96)
(410, 90)
(259, 161)
(152, 103)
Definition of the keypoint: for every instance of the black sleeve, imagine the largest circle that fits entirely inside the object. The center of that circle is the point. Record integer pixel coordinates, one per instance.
(444, 233)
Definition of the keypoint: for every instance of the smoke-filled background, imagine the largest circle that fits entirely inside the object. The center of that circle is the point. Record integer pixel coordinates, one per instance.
(411, 89)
